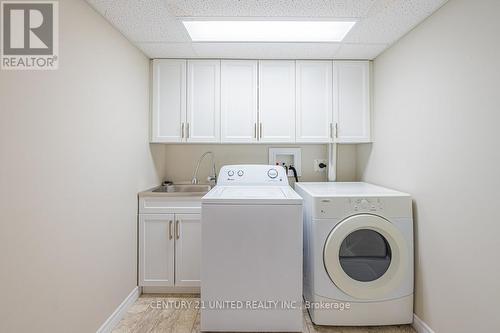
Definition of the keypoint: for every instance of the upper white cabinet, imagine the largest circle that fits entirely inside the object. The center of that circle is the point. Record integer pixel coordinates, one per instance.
(276, 101)
(260, 101)
(238, 101)
(314, 113)
(203, 101)
(169, 100)
(351, 101)
(186, 101)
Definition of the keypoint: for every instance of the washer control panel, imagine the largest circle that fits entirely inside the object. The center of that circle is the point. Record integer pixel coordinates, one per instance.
(252, 175)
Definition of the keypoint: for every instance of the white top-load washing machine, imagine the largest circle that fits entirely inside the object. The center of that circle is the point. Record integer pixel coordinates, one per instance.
(251, 267)
(358, 254)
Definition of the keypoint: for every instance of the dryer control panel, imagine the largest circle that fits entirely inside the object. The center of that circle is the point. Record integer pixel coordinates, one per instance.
(252, 174)
(365, 204)
(342, 207)
(338, 207)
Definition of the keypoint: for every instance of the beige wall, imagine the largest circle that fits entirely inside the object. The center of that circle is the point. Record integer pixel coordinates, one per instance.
(73, 155)
(437, 115)
(181, 160)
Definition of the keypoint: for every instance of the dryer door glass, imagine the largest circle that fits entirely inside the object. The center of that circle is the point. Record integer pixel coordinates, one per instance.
(365, 255)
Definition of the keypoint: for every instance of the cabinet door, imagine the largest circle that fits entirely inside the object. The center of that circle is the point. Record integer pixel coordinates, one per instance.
(203, 101)
(156, 250)
(314, 101)
(169, 100)
(277, 101)
(187, 250)
(238, 101)
(351, 99)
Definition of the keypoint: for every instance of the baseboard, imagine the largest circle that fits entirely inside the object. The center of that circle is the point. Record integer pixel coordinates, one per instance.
(420, 326)
(171, 290)
(120, 311)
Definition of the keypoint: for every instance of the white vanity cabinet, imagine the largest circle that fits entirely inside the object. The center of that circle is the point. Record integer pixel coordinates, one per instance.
(351, 101)
(156, 250)
(169, 244)
(187, 250)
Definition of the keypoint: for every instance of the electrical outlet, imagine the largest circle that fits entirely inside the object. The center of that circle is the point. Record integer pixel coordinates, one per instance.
(316, 165)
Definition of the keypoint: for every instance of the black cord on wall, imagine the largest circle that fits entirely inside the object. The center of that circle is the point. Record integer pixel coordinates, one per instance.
(291, 167)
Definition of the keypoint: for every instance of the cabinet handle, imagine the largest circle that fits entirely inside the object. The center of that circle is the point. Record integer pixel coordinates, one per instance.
(331, 131)
(170, 229)
(336, 131)
(260, 130)
(187, 130)
(182, 131)
(255, 130)
(177, 230)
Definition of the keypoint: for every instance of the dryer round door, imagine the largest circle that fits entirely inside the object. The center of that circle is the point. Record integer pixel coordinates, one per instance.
(365, 256)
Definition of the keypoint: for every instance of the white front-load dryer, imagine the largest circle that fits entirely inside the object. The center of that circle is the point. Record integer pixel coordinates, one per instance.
(358, 254)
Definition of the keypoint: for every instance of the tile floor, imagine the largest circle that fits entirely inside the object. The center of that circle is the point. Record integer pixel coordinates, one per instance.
(149, 314)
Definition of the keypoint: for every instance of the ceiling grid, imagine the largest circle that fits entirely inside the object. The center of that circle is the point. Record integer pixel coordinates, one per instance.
(155, 26)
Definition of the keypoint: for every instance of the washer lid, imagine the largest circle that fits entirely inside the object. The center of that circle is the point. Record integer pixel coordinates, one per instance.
(252, 195)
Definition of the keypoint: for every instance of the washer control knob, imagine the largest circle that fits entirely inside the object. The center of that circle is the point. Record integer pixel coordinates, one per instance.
(272, 173)
(230, 173)
(240, 173)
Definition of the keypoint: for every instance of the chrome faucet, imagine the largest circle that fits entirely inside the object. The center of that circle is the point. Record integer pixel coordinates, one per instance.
(211, 178)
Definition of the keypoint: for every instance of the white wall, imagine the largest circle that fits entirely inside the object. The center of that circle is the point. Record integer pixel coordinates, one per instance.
(437, 115)
(181, 160)
(73, 155)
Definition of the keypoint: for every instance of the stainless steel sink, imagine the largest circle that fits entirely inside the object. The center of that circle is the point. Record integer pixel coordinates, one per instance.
(183, 188)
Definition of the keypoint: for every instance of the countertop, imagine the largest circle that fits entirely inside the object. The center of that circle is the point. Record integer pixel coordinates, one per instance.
(185, 195)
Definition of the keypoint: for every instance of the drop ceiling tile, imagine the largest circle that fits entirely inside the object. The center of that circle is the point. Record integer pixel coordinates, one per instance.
(359, 51)
(389, 20)
(146, 21)
(352, 8)
(101, 6)
(275, 8)
(266, 50)
(167, 50)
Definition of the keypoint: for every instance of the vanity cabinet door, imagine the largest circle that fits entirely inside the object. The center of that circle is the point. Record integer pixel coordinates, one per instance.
(187, 250)
(156, 250)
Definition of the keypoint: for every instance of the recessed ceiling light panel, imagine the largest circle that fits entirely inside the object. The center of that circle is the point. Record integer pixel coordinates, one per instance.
(267, 31)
